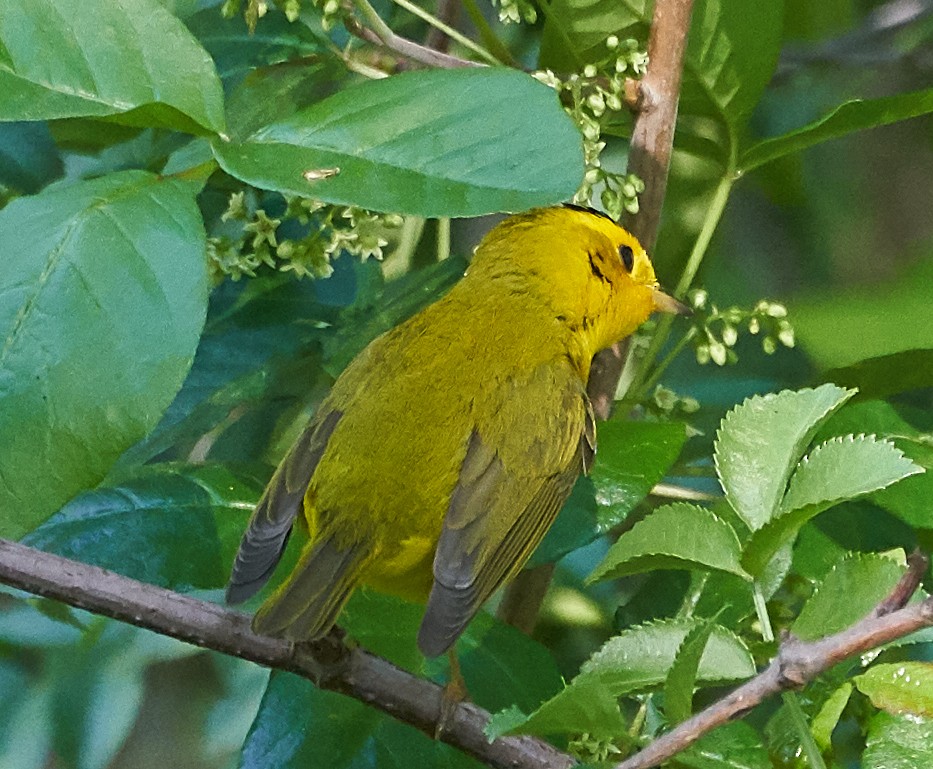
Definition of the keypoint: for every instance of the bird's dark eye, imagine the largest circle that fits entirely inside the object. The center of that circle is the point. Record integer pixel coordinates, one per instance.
(627, 257)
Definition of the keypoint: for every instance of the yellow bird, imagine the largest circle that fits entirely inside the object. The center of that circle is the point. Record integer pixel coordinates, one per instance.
(446, 448)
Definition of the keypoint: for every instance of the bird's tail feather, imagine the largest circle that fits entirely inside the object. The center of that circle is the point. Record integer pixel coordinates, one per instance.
(307, 605)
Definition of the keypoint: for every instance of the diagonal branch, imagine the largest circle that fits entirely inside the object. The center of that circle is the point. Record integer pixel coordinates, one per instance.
(331, 665)
(799, 662)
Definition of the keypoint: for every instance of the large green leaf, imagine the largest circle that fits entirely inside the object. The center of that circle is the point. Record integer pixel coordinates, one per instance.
(855, 115)
(680, 535)
(760, 441)
(731, 56)
(634, 660)
(632, 457)
(899, 687)
(421, 143)
(898, 742)
(169, 525)
(835, 471)
(70, 58)
(848, 593)
(102, 299)
(640, 657)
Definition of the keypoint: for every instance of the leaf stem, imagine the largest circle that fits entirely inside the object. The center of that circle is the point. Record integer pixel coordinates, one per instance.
(372, 17)
(399, 261)
(443, 238)
(659, 370)
(761, 609)
(799, 718)
(452, 33)
(488, 35)
(713, 215)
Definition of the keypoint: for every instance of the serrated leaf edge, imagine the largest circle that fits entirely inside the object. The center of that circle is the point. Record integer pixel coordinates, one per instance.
(847, 394)
(662, 624)
(852, 438)
(598, 574)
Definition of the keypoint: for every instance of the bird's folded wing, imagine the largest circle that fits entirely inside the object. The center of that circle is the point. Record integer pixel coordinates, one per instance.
(521, 463)
(269, 528)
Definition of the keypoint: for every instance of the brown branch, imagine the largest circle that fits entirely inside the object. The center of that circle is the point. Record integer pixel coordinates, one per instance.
(649, 158)
(799, 662)
(331, 665)
(447, 11)
(522, 599)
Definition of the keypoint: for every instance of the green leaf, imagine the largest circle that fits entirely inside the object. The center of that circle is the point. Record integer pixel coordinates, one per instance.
(845, 468)
(886, 375)
(26, 729)
(585, 706)
(102, 299)
(838, 470)
(422, 143)
(898, 742)
(899, 687)
(638, 658)
(29, 158)
(632, 457)
(681, 679)
(575, 31)
(731, 56)
(760, 441)
(732, 746)
(237, 52)
(824, 722)
(71, 58)
(300, 726)
(855, 115)
(848, 593)
(909, 498)
(171, 525)
(674, 536)
(729, 60)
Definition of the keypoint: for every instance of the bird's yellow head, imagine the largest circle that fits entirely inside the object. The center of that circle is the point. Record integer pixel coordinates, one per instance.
(590, 272)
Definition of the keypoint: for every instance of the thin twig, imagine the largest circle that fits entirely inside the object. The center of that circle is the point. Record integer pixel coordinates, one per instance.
(409, 49)
(799, 662)
(331, 665)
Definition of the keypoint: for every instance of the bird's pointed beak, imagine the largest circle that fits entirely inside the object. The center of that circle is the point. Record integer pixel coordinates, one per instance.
(666, 303)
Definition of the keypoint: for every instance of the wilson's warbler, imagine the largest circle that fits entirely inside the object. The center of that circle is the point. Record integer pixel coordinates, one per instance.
(446, 448)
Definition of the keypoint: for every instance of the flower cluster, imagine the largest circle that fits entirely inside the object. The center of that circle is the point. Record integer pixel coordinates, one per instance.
(717, 331)
(323, 232)
(590, 97)
(516, 11)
